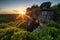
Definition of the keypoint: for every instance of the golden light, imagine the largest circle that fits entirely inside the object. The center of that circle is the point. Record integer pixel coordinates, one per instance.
(22, 12)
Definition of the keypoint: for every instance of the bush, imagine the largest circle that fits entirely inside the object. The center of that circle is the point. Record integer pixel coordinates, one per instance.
(7, 35)
(53, 24)
(4, 25)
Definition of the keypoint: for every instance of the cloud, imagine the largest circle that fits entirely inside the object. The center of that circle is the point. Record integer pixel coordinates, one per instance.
(8, 11)
(5, 12)
(15, 10)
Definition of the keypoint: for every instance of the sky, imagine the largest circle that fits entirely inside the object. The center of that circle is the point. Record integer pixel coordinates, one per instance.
(7, 6)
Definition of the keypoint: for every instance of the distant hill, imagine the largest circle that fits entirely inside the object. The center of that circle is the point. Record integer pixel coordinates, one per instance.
(8, 17)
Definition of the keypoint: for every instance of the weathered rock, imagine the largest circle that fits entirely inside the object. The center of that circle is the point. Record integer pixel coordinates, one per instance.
(45, 5)
(43, 14)
(46, 12)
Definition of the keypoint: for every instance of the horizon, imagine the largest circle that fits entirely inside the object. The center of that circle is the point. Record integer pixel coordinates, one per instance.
(14, 6)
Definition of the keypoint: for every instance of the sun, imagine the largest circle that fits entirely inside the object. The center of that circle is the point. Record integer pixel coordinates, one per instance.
(22, 12)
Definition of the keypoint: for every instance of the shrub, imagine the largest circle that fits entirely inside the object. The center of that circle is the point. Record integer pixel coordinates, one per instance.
(4, 25)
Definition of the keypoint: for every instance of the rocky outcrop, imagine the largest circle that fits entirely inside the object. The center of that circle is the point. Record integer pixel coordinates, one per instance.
(46, 12)
(42, 14)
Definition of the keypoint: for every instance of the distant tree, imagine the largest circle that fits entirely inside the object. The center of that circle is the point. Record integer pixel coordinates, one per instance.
(56, 8)
(28, 9)
(56, 16)
(34, 6)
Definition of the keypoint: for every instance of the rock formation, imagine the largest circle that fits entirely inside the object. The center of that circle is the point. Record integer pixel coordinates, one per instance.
(40, 14)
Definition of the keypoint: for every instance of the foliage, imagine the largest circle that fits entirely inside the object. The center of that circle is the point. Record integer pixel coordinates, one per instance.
(56, 8)
(5, 18)
(56, 16)
(34, 6)
(4, 25)
(13, 31)
(53, 24)
(46, 33)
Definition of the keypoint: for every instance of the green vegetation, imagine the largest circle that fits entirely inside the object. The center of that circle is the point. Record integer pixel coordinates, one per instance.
(56, 8)
(12, 29)
(56, 16)
(50, 31)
